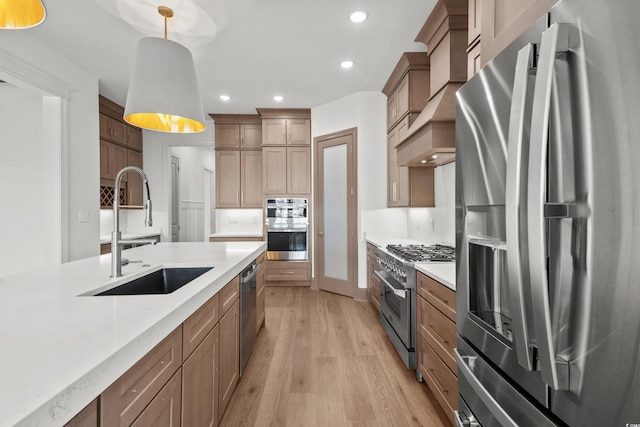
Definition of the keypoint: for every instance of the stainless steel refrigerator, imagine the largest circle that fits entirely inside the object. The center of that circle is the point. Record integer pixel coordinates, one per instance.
(548, 224)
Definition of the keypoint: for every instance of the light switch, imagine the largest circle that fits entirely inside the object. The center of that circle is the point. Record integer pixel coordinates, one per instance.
(83, 216)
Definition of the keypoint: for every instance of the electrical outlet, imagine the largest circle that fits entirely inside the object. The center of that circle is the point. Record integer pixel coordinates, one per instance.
(83, 216)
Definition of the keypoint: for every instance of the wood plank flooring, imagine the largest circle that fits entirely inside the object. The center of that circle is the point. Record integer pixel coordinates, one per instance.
(324, 360)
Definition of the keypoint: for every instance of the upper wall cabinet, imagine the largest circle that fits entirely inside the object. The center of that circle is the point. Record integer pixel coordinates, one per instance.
(238, 144)
(237, 131)
(120, 146)
(285, 126)
(286, 152)
(407, 89)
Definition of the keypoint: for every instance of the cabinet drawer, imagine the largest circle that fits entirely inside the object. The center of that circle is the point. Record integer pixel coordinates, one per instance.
(438, 330)
(198, 325)
(443, 298)
(228, 295)
(260, 259)
(125, 399)
(374, 291)
(438, 377)
(282, 271)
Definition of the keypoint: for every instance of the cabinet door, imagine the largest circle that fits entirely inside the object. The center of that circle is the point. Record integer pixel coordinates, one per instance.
(164, 410)
(88, 417)
(475, 15)
(200, 383)
(116, 159)
(134, 138)
(274, 170)
(298, 170)
(251, 179)
(229, 361)
(398, 177)
(260, 307)
(299, 131)
(274, 131)
(403, 96)
(392, 109)
(227, 135)
(251, 135)
(134, 181)
(112, 129)
(227, 179)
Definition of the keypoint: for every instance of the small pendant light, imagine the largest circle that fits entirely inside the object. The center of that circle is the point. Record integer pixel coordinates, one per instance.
(20, 14)
(163, 90)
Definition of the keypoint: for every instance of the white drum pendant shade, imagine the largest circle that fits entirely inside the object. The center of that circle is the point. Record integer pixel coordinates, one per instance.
(163, 90)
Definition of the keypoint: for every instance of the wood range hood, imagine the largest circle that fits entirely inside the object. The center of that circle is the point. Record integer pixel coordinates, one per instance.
(430, 140)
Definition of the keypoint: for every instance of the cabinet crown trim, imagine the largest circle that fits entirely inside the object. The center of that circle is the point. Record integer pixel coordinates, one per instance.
(284, 113)
(236, 118)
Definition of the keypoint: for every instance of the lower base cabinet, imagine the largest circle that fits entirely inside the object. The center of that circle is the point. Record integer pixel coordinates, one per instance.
(229, 362)
(164, 409)
(186, 380)
(288, 273)
(200, 383)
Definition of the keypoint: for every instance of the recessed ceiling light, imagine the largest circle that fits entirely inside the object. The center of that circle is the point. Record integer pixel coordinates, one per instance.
(346, 64)
(278, 98)
(358, 16)
(423, 161)
(225, 97)
(435, 156)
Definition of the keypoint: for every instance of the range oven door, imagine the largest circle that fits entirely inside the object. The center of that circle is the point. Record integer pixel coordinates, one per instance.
(287, 245)
(395, 306)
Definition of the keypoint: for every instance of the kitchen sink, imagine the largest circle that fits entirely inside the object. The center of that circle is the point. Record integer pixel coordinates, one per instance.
(163, 281)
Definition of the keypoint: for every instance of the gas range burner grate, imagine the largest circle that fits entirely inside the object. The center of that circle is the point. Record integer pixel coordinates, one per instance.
(423, 253)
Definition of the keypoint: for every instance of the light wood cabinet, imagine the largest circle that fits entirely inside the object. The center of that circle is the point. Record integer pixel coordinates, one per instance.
(260, 294)
(113, 130)
(502, 21)
(286, 131)
(407, 186)
(229, 356)
(135, 191)
(437, 339)
(238, 135)
(88, 417)
(165, 409)
(134, 138)
(408, 88)
(287, 273)
(373, 282)
(228, 295)
(200, 382)
(125, 399)
(286, 170)
(239, 179)
(120, 146)
(198, 325)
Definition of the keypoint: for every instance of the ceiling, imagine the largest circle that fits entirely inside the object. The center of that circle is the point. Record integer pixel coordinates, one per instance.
(261, 48)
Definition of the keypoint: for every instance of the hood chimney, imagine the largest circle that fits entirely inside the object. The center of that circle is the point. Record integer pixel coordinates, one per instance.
(431, 137)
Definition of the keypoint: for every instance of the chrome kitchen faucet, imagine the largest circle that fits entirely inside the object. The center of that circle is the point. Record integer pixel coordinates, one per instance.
(116, 241)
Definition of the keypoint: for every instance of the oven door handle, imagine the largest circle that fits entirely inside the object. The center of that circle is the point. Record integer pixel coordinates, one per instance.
(402, 293)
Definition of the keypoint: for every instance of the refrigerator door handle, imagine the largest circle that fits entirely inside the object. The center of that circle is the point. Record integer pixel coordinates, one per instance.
(465, 368)
(554, 372)
(516, 160)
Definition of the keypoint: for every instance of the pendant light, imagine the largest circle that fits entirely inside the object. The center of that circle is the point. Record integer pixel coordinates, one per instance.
(163, 90)
(19, 14)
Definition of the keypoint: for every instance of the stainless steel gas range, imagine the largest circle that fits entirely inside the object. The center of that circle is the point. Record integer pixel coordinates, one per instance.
(397, 273)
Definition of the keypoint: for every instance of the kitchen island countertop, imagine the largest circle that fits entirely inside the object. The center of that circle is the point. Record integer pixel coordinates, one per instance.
(61, 350)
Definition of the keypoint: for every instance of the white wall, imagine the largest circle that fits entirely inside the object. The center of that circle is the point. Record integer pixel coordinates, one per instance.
(70, 135)
(367, 112)
(157, 166)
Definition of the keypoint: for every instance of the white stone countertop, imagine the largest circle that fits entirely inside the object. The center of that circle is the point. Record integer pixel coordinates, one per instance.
(444, 273)
(237, 234)
(60, 351)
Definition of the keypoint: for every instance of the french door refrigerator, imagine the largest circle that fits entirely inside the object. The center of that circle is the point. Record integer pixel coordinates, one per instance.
(548, 224)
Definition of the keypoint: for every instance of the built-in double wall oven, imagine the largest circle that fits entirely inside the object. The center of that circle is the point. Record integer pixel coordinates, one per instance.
(287, 229)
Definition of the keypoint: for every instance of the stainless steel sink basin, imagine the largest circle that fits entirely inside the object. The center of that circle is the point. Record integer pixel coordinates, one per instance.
(163, 281)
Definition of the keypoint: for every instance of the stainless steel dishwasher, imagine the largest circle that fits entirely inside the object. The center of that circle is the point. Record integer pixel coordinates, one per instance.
(247, 313)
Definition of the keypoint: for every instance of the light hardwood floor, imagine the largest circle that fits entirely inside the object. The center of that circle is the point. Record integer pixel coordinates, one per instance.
(324, 360)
